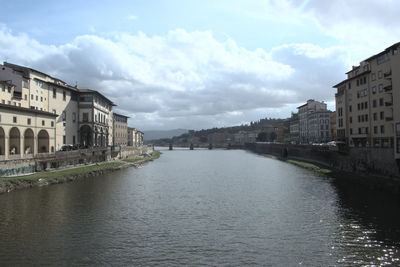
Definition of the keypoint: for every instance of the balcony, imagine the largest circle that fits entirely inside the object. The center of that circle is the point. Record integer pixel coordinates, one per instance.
(388, 104)
(387, 74)
(389, 118)
(387, 88)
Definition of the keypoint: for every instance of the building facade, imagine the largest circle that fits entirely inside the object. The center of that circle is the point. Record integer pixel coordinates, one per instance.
(25, 133)
(294, 128)
(314, 122)
(120, 130)
(368, 102)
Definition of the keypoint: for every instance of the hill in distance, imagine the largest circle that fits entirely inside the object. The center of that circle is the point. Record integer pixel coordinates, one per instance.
(159, 134)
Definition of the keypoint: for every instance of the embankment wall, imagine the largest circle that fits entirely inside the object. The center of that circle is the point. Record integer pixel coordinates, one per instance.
(378, 161)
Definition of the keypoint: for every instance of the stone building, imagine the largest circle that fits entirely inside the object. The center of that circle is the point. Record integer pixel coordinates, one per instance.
(294, 128)
(368, 102)
(25, 133)
(120, 130)
(131, 136)
(314, 122)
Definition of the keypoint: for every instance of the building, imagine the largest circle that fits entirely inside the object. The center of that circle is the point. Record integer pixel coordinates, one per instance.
(243, 137)
(95, 119)
(25, 133)
(84, 116)
(120, 130)
(139, 137)
(314, 122)
(131, 136)
(294, 128)
(333, 125)
(368, 102)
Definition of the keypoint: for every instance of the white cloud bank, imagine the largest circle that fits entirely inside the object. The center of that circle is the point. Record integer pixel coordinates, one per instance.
(185, 79)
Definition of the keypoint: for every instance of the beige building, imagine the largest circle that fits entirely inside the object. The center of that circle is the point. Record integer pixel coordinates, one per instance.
(368, 102)
(25, 133)
(120, 130)
(131, 136)
(314, 122)
(95, 119)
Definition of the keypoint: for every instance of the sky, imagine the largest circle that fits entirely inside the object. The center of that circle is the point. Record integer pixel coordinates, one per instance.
(193, 64)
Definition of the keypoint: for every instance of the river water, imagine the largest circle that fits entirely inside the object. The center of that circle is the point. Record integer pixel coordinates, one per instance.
(200, 207)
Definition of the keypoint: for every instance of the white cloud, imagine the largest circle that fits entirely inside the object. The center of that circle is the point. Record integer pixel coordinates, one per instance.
(186, 79)
(131, 17)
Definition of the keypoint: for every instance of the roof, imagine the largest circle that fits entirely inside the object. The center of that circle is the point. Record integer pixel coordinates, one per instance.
(97, 93)
(348, 79)
(384, 51)
(26, 70)
(120, 115)
(28, 110)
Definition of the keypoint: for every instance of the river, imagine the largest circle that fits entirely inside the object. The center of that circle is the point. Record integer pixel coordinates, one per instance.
(200, 207)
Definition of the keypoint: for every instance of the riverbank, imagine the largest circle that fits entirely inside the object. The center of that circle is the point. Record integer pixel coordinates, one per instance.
(374, 182)
(70, 174)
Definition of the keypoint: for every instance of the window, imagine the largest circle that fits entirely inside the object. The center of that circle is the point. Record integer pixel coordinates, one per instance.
(366, 105)
(25, 84)
(29, 121)
(375, 129)
(351, 130)
(379, 74)
(54, 111)
(375, 116)
(32, 97)
(42, 122)
(373, 76)
(9, 89)
(374, 103)
(382, 115)
(350, 109)
(64, 95)
(380, 101)
(52, 123)
(85, 116)
(398, 129)
(365, 80)
(26, 97)
(37, 98)
(358, 106)
(73, 140)
(15, 119)
(380, 87)
(41, 99)
(54, 93)
(73, 116)
(366, 117)
(95, 117)
(39, 83)
(64, 139)
(64, 115)
(382, 128)
(374, 90)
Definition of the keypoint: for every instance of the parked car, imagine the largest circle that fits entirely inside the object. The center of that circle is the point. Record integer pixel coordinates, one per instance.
(67, 148)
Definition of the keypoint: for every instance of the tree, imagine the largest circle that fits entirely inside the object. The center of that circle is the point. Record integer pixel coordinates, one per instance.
(272, 136)
(262, 137)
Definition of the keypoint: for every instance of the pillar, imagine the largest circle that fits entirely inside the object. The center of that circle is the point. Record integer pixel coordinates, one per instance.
(6, 145)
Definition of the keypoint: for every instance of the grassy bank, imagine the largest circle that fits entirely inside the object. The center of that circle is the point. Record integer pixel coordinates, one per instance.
(310, 166)
(70, 174)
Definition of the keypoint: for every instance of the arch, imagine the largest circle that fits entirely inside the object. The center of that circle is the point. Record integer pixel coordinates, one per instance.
(15, 141)
(28, 141)
(86, 136)
(2, 142)
(43, 141)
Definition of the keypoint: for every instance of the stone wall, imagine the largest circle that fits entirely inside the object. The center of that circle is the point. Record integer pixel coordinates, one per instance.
(62, 159)
(372, 160)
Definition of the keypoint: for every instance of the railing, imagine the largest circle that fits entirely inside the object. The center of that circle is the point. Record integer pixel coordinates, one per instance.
(388, 104)
(387, 88)
(387, 74)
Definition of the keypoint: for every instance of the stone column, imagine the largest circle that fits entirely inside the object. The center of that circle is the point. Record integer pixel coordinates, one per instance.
(21, 146)
(6, 145)
(35, 145)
